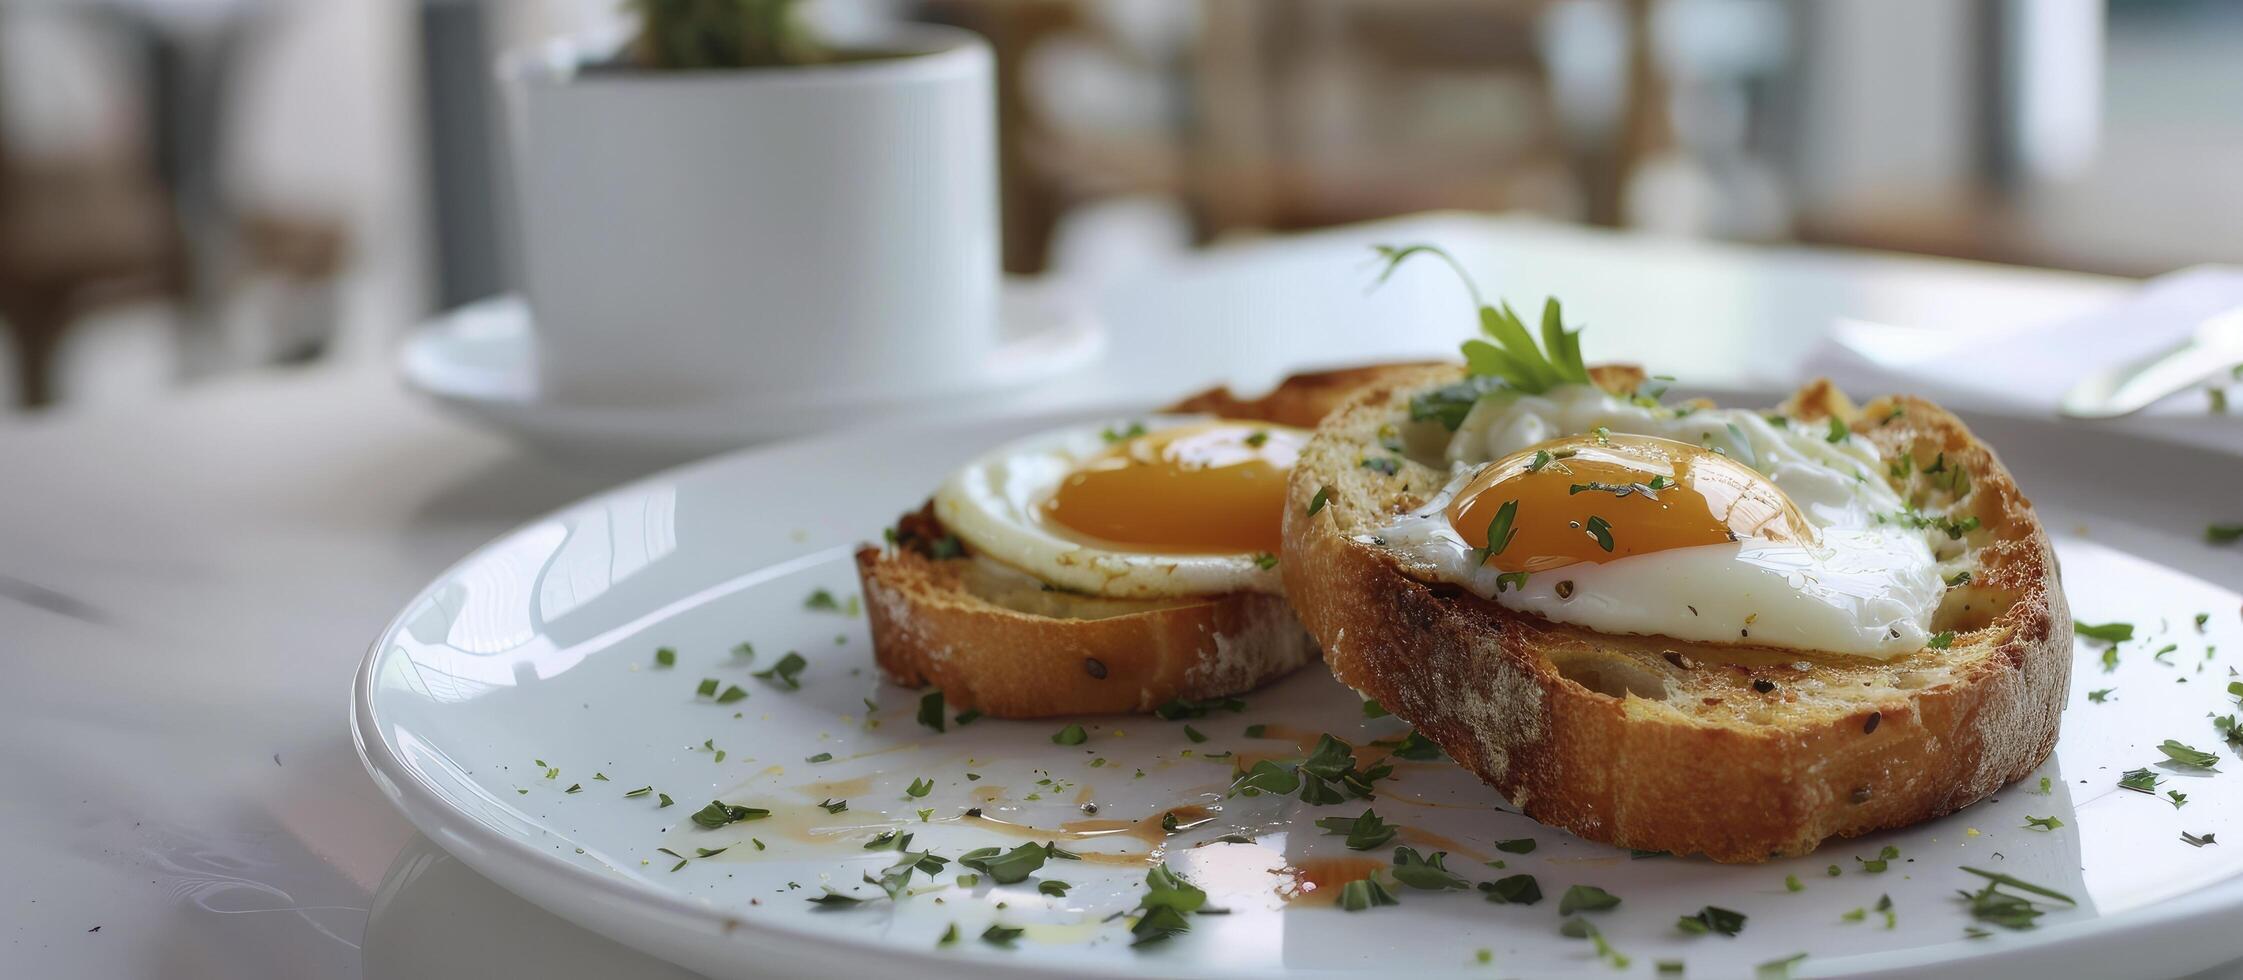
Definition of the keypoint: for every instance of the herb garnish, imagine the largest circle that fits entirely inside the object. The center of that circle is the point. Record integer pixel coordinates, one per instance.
(2043, 823)
(1364, 830)
(1416, 748)
(930, 709)
(2195, 840)
(1006, 867)
(665, 657)
(919, 788)
(1581, 929)
(786, 673)
(2106, 632)
(1181, 708)
(1500, 531)
(1365, 893)
(1712, 918)
(1424, 872)
(821, 599)
(1586, 898)
(1168, 899)
(717, 813)
(1316, 503)
(1520, 845)
(2213, 533)
(1991, 904)
(1513, 355)
(2140, 781)
(1941, 640)
(1838, 432)
(1073, 734)
(1001, 936)
(1600, 529)
(1514, 890)
(2188, 756)
(834, 806)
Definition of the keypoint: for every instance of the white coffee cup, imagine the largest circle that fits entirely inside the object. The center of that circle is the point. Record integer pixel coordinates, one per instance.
(797, 235)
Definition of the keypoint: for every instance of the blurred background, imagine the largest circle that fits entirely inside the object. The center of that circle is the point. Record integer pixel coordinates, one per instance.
(198, 188)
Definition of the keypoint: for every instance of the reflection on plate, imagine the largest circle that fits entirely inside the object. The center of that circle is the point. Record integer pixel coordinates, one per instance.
(520, 713)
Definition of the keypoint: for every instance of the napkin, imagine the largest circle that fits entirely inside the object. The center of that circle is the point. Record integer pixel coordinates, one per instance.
(2024, 371)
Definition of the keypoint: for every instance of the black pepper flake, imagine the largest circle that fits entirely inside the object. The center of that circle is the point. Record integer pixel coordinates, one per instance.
(1565, 589)
(975, 812)
(1090, 808)
(1871, 724)
(1094, 667)
(1763, 685)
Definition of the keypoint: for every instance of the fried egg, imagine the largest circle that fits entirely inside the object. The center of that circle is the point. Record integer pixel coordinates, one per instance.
(1162, 507)
(1713, 526)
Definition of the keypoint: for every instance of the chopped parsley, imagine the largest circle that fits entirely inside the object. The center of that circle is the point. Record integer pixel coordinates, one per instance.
(1510, 580)
(1712, 918)
(822, 600)
(1578, 928)
(636, 793)
(2213, 533)
(1181, 708)
(2196, 840)
(1365, 893)
(665, 657)
(2005, 909)
(1600, 529)
(1112, 435)
(2140, 781)
(1586, 898)
(1168, 899)
(930, 709)
(1006, 867)
(1514, 890)
(919, 788)
(1265, 561)
(834, 806)
(732, 692)
(1373, 709)
(1416, 748)
(1838, 434)
(1001, 936)
(718, 814)
(2100, 695)
(1071, 735)
(1941, 640)
(1059, 888)
(1500, 531)
(1878, 864)
(1316, 503)
(1519, 845)
(820, 757)
(2188, 756)
(1428, 873)
(2042, 823)
(707, 688)
(786, 673)
(2106, 632)
(1364, 831)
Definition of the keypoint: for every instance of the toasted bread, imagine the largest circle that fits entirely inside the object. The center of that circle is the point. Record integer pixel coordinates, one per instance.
(998, 641)
(1736, 753)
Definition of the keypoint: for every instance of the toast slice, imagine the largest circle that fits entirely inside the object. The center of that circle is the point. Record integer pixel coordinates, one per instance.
(997, 640)
(1734, 752)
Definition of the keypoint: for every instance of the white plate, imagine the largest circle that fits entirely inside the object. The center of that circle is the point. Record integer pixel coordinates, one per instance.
(541, 646)
(479, 362)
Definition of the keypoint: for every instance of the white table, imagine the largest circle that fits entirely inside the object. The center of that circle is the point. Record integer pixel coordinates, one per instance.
(186, 587)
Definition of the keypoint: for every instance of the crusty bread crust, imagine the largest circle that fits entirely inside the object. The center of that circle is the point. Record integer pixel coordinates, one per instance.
(937, 620)
(1645, 742)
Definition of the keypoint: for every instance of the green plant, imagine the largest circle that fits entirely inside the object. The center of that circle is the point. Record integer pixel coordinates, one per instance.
(679, 35)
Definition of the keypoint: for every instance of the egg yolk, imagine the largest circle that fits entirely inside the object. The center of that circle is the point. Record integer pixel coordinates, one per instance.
(1216, 488)
(1599, 499)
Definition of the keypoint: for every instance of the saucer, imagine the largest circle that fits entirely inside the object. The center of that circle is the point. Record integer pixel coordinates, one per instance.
(479, 363)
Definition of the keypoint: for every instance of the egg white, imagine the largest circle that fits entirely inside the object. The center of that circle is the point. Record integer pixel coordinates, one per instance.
(993, 505)
(1868, 588)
